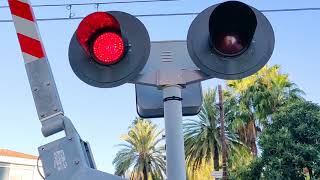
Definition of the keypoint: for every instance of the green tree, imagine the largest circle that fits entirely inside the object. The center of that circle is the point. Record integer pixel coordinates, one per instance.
(256, 98)
(290, 145)
(202, 173)
(202, 135)
(143, 153)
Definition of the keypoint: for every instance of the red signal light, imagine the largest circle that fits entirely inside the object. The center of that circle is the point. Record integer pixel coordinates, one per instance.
(108, 48)
(93, 25)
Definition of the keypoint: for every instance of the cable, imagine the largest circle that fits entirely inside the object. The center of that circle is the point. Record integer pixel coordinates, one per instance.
(97, 3)
(170, 14)
(291, 10)
(77, 18)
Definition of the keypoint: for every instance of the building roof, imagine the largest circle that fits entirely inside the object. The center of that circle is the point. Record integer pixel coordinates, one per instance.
(9, 153)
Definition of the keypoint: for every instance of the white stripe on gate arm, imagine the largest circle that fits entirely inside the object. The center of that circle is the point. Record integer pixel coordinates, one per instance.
(25, 27)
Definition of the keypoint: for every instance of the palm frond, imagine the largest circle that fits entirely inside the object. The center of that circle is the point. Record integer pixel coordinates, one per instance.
(142, 152)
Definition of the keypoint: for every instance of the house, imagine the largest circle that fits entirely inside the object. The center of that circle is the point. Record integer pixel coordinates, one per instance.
(19, 166)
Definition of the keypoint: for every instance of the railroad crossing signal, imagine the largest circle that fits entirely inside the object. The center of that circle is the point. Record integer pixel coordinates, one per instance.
(230, 40)
(109, 49)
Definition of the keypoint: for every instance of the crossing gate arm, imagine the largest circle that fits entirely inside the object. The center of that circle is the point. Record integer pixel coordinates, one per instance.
(68, 158)
(38, 69)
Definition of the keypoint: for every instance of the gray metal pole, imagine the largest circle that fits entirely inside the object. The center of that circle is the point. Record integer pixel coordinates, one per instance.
(176, 169)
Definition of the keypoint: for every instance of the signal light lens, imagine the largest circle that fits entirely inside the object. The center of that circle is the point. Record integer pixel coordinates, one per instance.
(232, 26)
(108, 48)
(230, 44)
(93, 24)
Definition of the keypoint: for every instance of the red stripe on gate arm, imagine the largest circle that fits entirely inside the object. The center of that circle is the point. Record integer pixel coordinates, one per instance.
(21, 9)
(31, 46)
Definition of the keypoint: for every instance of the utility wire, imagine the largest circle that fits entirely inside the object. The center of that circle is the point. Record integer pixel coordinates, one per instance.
(171, 14)
(291, 10)
(138, 15)
(97, 3)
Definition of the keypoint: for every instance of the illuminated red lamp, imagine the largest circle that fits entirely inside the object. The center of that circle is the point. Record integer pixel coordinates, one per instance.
(108, 48)
(99, 35)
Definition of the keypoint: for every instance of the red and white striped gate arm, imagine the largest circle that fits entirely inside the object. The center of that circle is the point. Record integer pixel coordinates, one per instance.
(38, 69)
(27, 30)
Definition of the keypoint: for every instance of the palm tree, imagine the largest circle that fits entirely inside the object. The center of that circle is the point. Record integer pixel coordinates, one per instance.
(256, 99)
(142, 154)
(202, 135)
(203, 172)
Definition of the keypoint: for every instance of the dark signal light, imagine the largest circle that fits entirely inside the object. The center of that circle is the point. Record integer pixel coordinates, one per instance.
(230, 40)
(229, 44)
(232, 26)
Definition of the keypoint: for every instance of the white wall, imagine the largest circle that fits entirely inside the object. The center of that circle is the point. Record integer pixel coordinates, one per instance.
(20, 169)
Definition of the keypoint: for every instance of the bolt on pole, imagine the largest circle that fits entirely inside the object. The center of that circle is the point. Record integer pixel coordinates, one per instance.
(176, 166)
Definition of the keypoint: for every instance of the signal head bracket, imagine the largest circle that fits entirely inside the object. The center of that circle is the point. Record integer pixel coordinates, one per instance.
(169, 64)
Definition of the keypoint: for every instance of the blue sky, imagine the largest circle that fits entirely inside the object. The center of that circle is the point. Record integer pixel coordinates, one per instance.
(103, 115)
